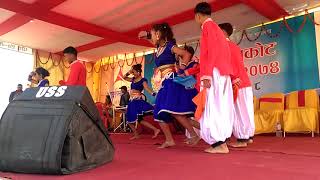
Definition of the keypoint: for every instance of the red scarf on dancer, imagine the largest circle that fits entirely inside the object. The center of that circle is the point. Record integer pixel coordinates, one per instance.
(200, 101)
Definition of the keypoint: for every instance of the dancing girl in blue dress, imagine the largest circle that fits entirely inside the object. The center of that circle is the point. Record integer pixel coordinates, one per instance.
(173, 100)
(138, 107)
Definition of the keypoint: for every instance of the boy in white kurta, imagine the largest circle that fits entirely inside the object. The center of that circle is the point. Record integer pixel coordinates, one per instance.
(243, 127)
(215, 75)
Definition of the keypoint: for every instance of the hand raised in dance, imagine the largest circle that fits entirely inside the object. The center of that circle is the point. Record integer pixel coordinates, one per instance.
(206, 83)
(236, 82)
(144, 35)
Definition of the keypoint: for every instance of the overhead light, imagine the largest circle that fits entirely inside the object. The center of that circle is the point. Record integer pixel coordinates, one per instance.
(31, 21)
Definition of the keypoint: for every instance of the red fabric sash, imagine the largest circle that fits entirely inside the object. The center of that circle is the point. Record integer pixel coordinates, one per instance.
(271, 100)
(235, 90)
(301, 98)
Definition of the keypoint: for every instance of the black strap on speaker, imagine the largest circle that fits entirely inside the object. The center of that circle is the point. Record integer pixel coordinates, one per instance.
(103, 130)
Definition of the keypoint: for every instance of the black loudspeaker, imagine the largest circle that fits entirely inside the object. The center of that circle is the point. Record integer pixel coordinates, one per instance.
(53, 130)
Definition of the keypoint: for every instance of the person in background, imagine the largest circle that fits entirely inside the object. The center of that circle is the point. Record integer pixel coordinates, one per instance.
(243, 126)
(40, 75)
(125, 97)
(108, 105)
(138, 107)
(215, 74)
(16, 93)
(108, 111)
(78, 72)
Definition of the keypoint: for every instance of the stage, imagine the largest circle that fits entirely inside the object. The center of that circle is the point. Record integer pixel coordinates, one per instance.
(268, 158)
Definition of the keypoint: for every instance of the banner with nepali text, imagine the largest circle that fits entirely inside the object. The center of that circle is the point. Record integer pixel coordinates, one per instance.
(281, 60)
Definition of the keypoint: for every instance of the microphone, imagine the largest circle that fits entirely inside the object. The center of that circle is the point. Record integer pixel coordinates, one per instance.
(31, 76)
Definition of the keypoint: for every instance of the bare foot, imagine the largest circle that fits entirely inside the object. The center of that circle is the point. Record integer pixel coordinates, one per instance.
(135, 137)
(193, 140)
(250, 141)
(156, 133)
(167, 145)
(222, 149)
(238, 144)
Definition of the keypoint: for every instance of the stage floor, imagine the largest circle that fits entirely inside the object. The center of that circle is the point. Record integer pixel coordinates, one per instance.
(269, 158)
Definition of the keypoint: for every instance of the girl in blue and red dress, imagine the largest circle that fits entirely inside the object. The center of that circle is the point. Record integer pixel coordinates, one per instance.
(173, 99)
(138, 107)
(192, 69)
